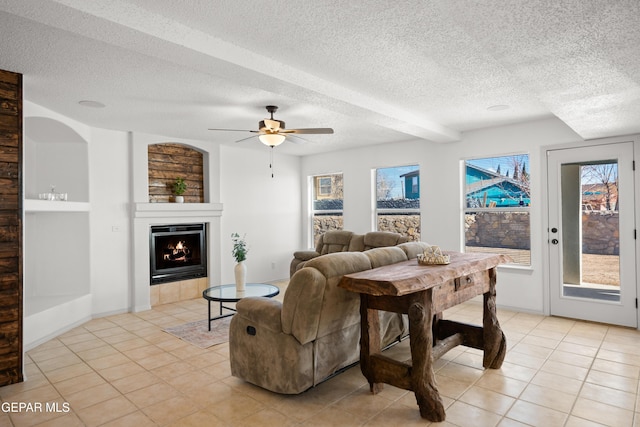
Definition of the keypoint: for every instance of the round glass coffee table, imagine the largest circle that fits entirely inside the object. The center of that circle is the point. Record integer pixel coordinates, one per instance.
(228, 293)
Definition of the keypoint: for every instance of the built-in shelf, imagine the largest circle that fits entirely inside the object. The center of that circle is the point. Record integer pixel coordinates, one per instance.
(35, 205)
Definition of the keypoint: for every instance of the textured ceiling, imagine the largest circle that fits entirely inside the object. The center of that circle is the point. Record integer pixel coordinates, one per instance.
(375, 71)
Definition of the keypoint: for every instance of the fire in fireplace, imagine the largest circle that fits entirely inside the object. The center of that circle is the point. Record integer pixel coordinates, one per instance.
(178, 252)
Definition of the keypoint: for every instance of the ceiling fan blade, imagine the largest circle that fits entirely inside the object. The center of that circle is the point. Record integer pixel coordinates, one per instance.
(297, 139)
(236, 130)
(249, 137)
(308, 130)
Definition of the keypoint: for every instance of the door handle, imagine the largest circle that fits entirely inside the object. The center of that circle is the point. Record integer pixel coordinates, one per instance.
(554, 241)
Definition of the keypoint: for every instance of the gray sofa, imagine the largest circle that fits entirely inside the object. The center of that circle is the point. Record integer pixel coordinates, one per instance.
(288, 347)
(345, 241)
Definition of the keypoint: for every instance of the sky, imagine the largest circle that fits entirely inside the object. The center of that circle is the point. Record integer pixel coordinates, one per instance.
(392, 177)
(505, 163)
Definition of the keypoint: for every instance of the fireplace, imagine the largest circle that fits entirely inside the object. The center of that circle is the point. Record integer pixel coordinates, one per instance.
(177, 252)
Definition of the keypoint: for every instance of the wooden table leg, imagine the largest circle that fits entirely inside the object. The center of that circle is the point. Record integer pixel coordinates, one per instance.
(422, 376)
(369, 342)
(495, 343)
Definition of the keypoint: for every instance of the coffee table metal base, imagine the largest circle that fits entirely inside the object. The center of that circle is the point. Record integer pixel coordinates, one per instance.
(228, 293)
(221, 316)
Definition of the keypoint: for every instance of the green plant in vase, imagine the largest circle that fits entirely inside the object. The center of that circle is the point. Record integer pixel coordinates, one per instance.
(239, 250)
(239, 253)
(179, 187)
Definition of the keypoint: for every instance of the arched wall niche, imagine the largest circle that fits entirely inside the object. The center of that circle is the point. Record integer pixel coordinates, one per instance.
(168, 161)
(55, 155)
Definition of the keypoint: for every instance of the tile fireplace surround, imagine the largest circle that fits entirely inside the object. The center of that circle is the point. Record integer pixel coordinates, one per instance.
(147, 214)
(183, 290)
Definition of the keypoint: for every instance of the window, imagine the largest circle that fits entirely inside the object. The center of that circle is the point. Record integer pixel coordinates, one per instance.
(324, 186)
(327, 204)
(398, 200)
(497, 200)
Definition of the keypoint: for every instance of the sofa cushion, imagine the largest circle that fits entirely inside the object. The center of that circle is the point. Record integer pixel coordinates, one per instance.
(313, 290)
(334, 241)
(302, 304)
(305, 255)
(379, 239)
(332, 265)
(385, 256)
(412, 249)
(357, 243)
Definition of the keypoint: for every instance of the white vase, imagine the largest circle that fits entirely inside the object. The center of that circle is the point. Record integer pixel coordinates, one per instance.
(240, 271)
(179, 199)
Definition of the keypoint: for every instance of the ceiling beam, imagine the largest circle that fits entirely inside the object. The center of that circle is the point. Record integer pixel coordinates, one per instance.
(131, 27)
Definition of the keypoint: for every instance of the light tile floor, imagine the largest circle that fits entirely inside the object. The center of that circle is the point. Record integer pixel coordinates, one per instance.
(123, 370)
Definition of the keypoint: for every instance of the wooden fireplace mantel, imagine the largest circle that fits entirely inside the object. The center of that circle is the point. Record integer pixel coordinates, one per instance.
(177, 210)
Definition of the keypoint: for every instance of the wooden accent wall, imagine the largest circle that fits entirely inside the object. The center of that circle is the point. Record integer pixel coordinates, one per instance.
(10, 228)
(170, 161)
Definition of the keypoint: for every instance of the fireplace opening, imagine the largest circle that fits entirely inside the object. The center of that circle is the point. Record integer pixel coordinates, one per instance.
(178, 252)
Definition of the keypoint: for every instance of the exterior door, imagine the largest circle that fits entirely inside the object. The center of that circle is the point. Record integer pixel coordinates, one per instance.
(591, 233)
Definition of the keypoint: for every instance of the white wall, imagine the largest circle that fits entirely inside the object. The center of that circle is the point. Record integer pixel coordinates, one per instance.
(441, 191)
(266, 209)
(110, 243)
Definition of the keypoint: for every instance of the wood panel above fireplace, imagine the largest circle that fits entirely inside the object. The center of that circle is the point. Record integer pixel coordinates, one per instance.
(169, 161)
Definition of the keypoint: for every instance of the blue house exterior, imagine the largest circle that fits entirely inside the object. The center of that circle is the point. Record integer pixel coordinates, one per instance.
(411, 184)
(490, 189)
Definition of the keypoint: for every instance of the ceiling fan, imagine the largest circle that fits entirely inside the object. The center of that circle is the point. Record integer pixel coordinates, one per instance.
(272, 132)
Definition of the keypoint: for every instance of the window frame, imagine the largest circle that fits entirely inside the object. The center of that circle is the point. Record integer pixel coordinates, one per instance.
(466, 210)
(400, 211)
(314, 187)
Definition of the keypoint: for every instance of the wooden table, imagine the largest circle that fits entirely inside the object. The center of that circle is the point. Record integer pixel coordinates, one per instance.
(424, 292)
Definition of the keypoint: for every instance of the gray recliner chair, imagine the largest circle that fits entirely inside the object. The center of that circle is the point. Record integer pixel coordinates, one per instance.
(290, 346)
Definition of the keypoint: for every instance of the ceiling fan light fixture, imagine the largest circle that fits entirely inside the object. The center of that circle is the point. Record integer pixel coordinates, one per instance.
(271, 139)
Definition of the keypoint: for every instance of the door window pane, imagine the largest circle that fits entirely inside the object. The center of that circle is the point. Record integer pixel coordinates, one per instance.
(590, 225)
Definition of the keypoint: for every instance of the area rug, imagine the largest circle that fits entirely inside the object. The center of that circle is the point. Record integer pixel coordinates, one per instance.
(197, 333)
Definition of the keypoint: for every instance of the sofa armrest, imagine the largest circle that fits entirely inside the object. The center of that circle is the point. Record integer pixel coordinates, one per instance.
(263, 311)
(305, 255)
